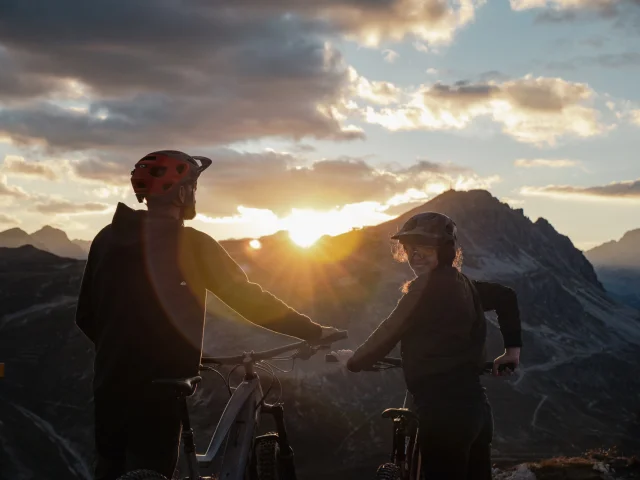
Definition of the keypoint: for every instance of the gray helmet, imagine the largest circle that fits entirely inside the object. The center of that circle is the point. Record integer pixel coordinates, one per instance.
(429, 228)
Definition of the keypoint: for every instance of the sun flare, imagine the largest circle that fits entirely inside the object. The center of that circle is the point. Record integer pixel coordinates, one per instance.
(304, 238)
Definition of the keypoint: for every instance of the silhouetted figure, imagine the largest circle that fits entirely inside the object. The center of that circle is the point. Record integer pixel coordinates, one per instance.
(142, 304)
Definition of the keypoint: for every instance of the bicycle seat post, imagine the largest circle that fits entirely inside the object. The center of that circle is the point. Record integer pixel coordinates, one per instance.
(187, 439)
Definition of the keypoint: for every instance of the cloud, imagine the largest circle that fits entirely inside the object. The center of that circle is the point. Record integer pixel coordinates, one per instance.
(532, 110)
(53, 206)
(280, 181)
(545, 162)
(115, 78)
(626, 191)
(8, 220)
(623, 12)
(15, 165)
(605, 60)
(228, 76)
(377, 92)
(389, 55)
(635, 117)
(10, 191)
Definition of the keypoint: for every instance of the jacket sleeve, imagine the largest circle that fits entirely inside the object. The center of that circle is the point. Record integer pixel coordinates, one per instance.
(84, 309)
(504, 301)
(224, 278)
(390, 331)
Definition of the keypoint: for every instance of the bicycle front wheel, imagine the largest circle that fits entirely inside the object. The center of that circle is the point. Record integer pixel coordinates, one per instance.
(388, 471)
(267, 453)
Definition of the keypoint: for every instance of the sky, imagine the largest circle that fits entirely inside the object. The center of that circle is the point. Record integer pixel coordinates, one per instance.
(322, 116)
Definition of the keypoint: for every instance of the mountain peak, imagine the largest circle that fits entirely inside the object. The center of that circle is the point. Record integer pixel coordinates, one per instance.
(623, 253)
(51, 232)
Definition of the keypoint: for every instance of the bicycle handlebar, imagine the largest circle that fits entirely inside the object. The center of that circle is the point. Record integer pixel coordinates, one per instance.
(253, 357)
(392, 362)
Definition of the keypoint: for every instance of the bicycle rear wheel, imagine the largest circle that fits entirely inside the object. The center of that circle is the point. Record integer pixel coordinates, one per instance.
(142, 475)
(388, 471)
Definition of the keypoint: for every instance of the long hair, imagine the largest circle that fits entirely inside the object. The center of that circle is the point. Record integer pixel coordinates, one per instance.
(448, 255)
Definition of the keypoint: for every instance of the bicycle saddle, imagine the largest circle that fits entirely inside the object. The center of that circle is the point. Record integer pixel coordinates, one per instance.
(405, 413)
(182, 386)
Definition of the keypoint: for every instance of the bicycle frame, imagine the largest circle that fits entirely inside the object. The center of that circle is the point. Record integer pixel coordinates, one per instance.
(405, 452)
(238, 423)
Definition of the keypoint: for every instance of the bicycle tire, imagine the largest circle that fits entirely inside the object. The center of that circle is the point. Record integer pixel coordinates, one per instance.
(142, 475)
(388, 471)
(267, 451)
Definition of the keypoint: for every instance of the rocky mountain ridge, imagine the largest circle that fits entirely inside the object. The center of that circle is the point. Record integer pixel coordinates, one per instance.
(47, 238)
(576, 388)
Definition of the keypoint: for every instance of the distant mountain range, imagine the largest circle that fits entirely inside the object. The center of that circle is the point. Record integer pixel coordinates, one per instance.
(576, 389)
(618, 266)
(47, 238)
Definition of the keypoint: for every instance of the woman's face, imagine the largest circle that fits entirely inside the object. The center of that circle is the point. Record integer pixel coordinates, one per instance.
(422, 259)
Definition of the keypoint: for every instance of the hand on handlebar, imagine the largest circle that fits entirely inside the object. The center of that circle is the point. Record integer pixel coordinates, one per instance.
(328, 332)
(343, 356)
(511, 355)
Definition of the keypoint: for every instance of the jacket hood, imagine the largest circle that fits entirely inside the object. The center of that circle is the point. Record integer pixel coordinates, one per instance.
(128, 224)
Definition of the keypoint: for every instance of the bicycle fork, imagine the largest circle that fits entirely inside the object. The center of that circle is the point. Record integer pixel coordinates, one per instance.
(286, 460)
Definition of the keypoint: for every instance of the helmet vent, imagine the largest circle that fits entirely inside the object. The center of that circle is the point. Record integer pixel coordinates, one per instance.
(167, 186)
(149, 157)
(157, 171)
(140, 185)
(180, 168)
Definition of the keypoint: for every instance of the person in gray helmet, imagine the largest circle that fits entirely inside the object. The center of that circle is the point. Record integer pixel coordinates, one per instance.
(440, 324)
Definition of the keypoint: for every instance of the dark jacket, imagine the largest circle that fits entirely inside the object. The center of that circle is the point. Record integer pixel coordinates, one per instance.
(441, 326)
(142, 299)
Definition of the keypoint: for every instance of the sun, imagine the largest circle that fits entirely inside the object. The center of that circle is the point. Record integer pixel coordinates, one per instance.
(255, 244)
(303, 237)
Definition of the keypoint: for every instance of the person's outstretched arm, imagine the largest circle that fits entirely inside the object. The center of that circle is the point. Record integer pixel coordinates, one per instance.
(504, 301)
(390, 331)
(226, 279)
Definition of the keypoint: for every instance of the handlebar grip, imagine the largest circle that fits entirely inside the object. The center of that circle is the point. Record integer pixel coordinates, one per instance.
(488, 367)
(334, 337)
(331, 358)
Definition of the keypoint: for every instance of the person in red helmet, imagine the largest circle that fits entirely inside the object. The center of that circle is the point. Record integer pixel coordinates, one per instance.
(142, 304)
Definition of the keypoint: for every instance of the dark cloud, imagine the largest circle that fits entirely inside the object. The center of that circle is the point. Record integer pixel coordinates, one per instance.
(65, 207)
(605, 60)
(279, 181)
(628, 189)
(193, 72)
(623, 13)
(462, 92)
(170, 72)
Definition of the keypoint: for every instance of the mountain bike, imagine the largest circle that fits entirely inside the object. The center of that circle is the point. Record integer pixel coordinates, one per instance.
(245, 456)
(405, 460)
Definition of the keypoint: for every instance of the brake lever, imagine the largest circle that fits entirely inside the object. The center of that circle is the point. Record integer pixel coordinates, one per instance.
(305, 352)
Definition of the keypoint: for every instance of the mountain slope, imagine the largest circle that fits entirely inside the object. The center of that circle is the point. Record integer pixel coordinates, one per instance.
(16, 237)
(618, 267)
(577, 387)
(57, 241)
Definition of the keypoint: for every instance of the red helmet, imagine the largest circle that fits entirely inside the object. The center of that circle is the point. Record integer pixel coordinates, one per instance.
(160, 173)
